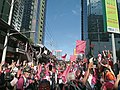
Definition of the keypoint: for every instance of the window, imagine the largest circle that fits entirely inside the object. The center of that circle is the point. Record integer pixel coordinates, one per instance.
(40, 30)
(118, 42)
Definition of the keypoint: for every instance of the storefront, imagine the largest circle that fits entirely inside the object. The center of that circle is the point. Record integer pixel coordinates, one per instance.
(16, 43)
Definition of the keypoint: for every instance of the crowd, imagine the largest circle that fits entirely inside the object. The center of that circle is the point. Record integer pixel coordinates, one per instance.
(84, 74)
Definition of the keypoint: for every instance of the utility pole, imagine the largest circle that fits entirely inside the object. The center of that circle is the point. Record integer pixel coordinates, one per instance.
(113, 48)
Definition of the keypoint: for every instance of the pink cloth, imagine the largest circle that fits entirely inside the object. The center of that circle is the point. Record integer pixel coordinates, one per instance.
(94, 80)
(80, 46)
(20, 84)
(39, 71)
(107, 85)
(47, 73)
(63, 57)
(65, 73)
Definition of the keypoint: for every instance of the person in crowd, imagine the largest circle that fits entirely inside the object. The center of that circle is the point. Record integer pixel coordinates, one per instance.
(108, 78)
(23, 81)
(116, 85)
(93, 74)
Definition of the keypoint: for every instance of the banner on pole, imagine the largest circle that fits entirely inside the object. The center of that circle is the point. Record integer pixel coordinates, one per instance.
(110, 13)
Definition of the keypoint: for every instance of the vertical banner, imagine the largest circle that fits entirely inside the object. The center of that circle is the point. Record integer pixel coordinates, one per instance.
(80, 47)
(110, 13)
(74, 53)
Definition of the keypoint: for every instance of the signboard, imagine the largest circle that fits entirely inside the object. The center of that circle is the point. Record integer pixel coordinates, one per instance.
(110, 13)
(20, 50)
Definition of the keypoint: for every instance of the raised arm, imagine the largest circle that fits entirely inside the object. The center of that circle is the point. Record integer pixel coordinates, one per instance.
(117, 82)
(87, 73)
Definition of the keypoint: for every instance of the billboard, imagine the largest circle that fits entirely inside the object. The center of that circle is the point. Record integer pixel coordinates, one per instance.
(110, 13)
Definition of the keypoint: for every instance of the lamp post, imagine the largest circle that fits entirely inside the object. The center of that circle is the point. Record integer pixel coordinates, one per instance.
(6, 41)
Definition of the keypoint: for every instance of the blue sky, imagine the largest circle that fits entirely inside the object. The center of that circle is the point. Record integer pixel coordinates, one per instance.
(62, 27)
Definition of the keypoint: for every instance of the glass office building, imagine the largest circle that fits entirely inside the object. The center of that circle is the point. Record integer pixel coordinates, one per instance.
(94, 34)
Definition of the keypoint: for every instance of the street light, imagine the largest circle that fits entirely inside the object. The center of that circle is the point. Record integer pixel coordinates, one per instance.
(6, 41)
(21, 32)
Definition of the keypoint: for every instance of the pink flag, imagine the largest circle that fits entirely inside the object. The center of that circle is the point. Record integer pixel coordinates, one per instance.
(80, 46)
(39, 71)
(73, 58)
(63, 57)
(65, 73)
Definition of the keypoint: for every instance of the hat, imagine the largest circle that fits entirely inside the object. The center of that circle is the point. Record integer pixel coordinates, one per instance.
(27, 69)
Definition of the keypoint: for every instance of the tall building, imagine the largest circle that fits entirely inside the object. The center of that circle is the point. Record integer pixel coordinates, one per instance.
(95, 22)
(27, 16)
(84, 28)
(5, 6)
(40, 22)
(58, 54)
(17, 14)
(96, 36)
(34, 19)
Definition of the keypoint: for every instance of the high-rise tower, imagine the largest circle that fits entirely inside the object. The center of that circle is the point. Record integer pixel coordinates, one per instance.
(40, 22)
(17, 14)
(5, 6)
(27, 16)
(99, 39)
(84, 28)
(34, 19)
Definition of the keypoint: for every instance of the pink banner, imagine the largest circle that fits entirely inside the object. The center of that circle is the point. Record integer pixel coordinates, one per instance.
(65, 73)
(80, 46)
(73, 58)
(39, 71)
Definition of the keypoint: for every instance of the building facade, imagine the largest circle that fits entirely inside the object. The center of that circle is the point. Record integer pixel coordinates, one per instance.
(96, 35)
(27, 16)
(40, 22)
(5, 6)
(58, 54)
(17, 14)
(84, 20)
(34, 19)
